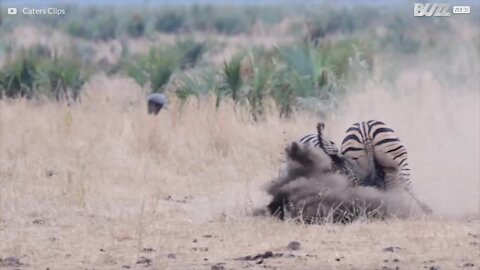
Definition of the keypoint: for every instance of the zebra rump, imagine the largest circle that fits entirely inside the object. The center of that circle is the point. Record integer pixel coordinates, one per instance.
(375, 147)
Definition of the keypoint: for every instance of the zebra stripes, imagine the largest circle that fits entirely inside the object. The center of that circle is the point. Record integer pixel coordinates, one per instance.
(345, 166)
(328, 146)
(373, 145)
(371, 155)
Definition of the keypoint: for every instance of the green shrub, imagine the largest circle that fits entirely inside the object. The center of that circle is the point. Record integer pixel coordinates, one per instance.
(170, 21)
(79, 29)
(230, 23)
(231, 75)
(196, 85)
(106, 27)
(336, 55)
(156, 68)
(201, 17)
(191, 51)
(17, 78)
(136, 26)
(61, 78)
(32, 74)
(259, 85)
(268, 14)
(398, 38)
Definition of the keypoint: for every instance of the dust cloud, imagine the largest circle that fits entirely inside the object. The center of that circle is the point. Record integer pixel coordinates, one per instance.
(311, 192)
(436, 114)
(432, 102)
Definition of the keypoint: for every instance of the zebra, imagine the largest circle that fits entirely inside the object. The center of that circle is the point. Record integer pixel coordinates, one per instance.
(371, 154)
(341, 164)
(319, 140)
(375, 146)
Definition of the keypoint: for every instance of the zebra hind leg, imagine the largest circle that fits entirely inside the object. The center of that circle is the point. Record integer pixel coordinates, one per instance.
(423, 206)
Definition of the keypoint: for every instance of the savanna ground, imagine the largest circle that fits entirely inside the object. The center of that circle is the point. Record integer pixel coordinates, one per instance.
(103, 185)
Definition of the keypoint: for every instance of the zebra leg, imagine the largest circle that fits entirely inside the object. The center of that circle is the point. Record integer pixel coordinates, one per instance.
(423, 206)
(395, 181)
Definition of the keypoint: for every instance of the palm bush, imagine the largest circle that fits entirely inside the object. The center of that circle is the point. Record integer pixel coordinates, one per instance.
(106, 27)
(230, 23)
(32, 74)
(136, 26)
(231, 78)
(196, 85)
(201, 17)
(259, 85)
(155, 68)
(17, 78)
(77, 28)
(61, 78)
(191, 51)
(170, 21)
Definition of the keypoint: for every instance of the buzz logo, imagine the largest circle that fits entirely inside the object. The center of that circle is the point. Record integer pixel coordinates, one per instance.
(431, 9)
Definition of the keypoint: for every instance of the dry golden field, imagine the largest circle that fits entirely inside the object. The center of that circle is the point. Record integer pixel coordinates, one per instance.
(103, 185)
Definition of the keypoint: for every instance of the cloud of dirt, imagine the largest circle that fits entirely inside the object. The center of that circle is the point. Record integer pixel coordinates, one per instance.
(308, 189)
(433, 104)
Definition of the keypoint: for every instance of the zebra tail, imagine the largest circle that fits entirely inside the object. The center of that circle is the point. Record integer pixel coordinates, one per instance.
(370, 179)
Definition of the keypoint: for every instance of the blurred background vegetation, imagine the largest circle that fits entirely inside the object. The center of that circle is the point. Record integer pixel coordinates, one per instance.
(291, 55)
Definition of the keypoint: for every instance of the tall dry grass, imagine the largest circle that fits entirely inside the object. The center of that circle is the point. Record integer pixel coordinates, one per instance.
(105, 175)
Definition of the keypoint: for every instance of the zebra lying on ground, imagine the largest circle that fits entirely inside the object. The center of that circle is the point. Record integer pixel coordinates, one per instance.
(371, 156)
(312, 191)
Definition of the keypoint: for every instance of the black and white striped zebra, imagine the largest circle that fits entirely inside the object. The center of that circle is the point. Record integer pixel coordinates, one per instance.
(348, 167)
(375, 146)
(319, 140)
(371, 155)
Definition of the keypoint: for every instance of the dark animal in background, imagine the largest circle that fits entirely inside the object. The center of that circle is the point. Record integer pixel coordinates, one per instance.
(156, 102)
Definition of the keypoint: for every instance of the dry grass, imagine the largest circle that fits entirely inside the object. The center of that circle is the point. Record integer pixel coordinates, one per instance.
(89, 186)
(97, 185)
